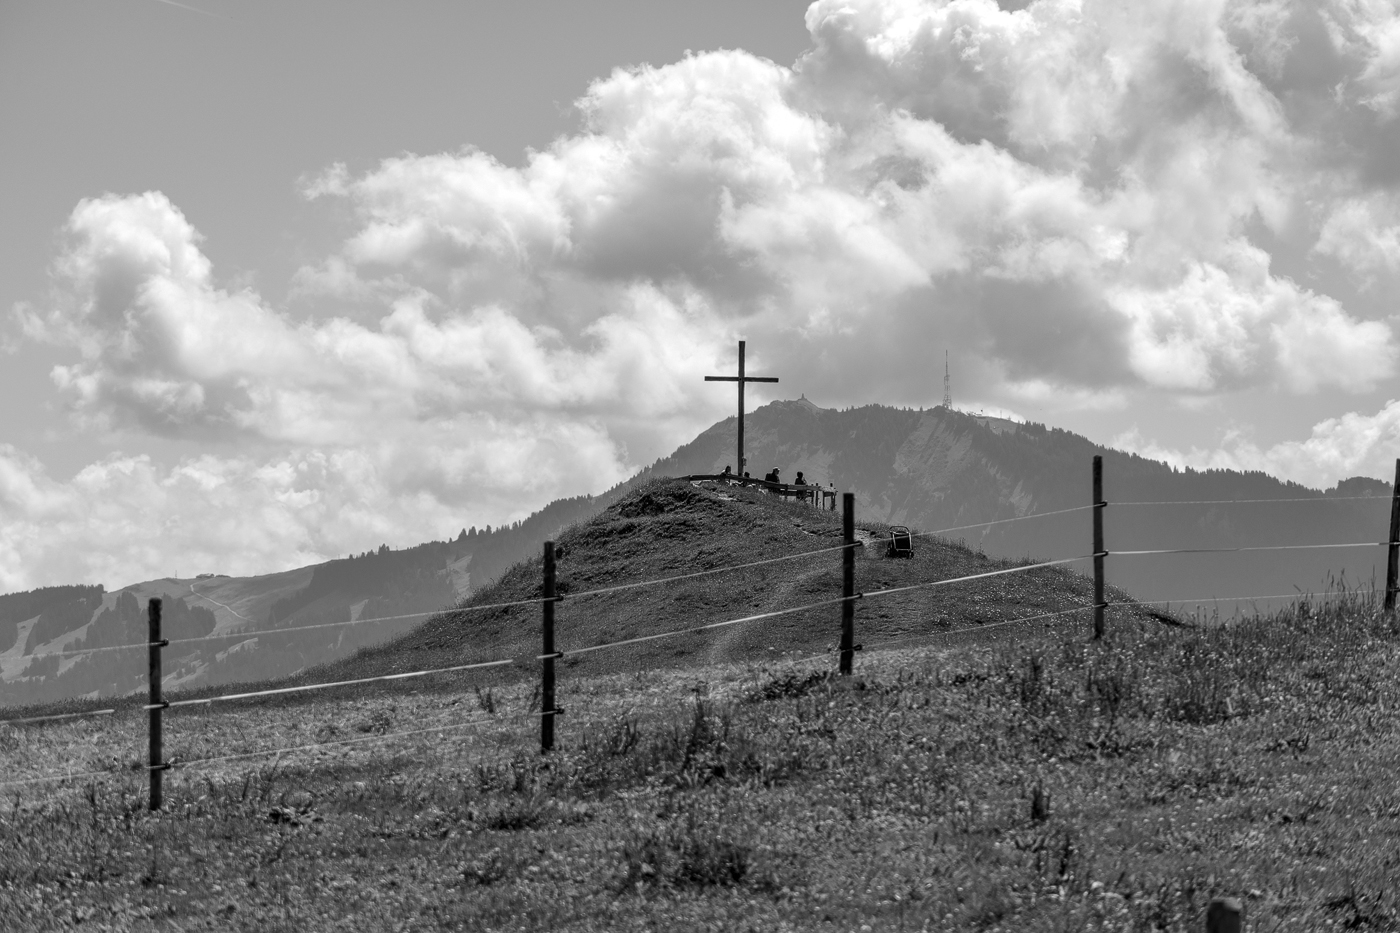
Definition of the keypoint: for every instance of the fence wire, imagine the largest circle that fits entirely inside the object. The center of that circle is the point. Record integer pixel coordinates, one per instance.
(1000, 521)
(975, 576)
(920, 637)
(1245, 501)
(57, 716)
(171, 704)
(973, 630)
(246, 634)
(1232, 550)
(700, 628)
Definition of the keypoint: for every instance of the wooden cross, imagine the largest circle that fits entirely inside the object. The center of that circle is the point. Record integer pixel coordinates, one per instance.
(741, 379)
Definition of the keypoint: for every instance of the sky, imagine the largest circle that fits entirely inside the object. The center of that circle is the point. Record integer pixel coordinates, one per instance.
(286, 281)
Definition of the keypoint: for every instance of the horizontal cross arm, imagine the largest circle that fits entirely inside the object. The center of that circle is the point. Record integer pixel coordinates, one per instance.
(760, 378)
(721, 378)
(745, 379)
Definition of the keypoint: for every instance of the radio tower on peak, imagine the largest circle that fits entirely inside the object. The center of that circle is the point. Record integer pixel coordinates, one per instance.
(947, 384)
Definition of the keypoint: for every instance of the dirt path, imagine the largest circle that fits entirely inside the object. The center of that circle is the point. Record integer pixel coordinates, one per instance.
(219, 604)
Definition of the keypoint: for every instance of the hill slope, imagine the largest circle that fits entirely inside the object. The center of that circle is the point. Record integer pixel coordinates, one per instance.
(669, 528)
(939, 469)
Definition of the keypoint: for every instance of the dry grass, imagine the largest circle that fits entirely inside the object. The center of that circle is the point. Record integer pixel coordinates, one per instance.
(1046, 783)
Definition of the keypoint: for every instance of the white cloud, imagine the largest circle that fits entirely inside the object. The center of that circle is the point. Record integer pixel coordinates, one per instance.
(1370, 31)
(1354, 444)
(1364, 235)
(1079, 196)
(125, 519)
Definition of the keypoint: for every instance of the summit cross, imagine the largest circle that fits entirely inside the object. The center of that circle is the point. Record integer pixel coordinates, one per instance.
(741, 379)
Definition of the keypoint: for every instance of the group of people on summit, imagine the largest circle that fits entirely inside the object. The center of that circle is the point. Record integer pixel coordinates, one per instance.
(772, 477)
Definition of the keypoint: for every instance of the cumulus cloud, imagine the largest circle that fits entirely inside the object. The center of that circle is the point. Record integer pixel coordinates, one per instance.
(1354, 444)
(1364, 235)
(1085, 199)
(127, 518)
(1070, 191)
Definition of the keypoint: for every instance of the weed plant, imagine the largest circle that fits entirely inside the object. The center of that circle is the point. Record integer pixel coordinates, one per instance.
(1051, 783)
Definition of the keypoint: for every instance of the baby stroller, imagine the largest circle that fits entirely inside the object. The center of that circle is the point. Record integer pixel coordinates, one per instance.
(901, 542)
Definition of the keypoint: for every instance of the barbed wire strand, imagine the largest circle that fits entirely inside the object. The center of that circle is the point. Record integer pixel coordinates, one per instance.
(698, 628)
(255, 633)
(171, 704)
(974, 576)
(1245, 501)
(472, 723)
(816, 605)
(1226, 599)
(57, 716)
(701, 573)
(248, 635)
(1231, 550)
(999, 521)
(973, 630)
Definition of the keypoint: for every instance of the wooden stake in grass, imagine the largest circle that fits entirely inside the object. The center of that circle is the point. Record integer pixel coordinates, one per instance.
(1392, 563)
(1225, 915)
(848, 581)
(547, 711)
(1099, 505)
(156, 765)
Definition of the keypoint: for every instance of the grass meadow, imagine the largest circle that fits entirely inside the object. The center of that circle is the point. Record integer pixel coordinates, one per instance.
(1045, 782)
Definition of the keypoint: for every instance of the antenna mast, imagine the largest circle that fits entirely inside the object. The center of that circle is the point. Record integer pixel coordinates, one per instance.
(947, 383)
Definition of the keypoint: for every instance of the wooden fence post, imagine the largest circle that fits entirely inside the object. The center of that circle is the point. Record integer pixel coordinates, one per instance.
(1099, 505)
(1392, 563)
(157, 764)
(848, 581)
(547, 710)
(1225, 915)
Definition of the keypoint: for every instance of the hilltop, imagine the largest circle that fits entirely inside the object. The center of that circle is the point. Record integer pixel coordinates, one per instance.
(667, 528)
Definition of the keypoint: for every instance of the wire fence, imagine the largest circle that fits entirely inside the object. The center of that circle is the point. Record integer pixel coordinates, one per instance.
(549, 656)
(449, 614)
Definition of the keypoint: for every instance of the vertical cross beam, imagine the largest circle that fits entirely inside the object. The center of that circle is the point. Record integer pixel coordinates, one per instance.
(741, 379)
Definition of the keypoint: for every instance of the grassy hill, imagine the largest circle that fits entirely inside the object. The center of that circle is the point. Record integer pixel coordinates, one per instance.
(670, 527)
(1035, 780)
